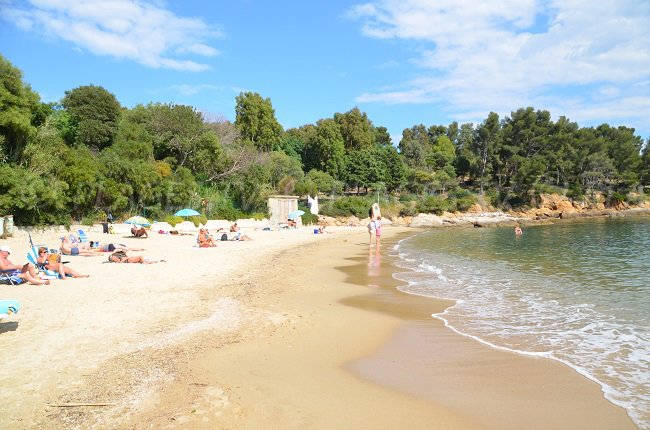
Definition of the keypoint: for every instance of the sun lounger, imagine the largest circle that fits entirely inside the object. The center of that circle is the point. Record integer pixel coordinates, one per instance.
(82, 236)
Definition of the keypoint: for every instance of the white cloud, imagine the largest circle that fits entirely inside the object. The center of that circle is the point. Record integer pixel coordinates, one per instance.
(500, 55)
(131, 29)
(190, 90)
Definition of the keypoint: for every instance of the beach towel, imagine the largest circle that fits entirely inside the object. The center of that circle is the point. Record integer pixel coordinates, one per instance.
(11, 277)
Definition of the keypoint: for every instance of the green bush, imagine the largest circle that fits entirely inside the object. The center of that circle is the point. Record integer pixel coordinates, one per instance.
(461, 200)
(173, 219)
(434, 204)
(409, 209)
(200, 219)
(634, 199)
(88, 220)
(575, 192)
(346, 206)
(309, 218)
(259, 216)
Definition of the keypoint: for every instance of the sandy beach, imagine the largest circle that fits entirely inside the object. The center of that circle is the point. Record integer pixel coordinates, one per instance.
(290, 330)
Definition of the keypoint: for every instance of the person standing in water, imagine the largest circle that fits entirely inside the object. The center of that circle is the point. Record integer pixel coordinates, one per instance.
(378, 231)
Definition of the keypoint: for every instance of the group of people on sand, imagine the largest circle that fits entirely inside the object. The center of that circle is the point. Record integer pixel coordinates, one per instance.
(25, 272)
(29, 272)
(205, 240)
(50, 260)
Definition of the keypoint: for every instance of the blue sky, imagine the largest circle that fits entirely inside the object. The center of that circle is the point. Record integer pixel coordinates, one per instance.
(403, 62)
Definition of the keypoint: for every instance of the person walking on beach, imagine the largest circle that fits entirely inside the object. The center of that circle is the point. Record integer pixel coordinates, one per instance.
(377, 231)
(371, 230)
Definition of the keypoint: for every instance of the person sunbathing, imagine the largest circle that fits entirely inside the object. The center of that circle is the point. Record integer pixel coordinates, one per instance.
(205, 240)
(69, 248)
(53, 262)
(121, 257)
(25, 272)
(139, 231)
(239, 234)
(111, 247)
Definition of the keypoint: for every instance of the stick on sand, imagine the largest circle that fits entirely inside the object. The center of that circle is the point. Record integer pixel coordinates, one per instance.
(74, 405)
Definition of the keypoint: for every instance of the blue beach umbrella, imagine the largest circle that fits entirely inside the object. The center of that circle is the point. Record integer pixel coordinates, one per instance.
(295, 214)
(187, 212)
(139, 220)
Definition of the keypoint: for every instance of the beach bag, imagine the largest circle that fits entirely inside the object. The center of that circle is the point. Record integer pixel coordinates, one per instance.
(224, 237)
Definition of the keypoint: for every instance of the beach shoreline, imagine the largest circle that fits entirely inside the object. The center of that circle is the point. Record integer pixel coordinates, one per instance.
(303, 337)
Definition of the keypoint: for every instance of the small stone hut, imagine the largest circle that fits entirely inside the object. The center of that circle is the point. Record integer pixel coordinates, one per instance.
(280, 207)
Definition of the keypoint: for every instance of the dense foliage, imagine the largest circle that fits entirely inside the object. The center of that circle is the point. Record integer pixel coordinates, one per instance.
(87, 155)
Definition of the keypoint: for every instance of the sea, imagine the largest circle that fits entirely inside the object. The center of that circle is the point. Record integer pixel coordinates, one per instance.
(577, 292)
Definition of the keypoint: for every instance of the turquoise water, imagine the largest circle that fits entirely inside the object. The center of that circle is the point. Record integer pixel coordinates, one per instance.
(577, 292)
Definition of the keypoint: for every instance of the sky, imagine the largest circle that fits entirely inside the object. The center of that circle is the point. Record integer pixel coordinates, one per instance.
(402, 62)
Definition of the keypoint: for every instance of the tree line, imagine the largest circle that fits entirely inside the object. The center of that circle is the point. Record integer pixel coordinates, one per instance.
(86, 155)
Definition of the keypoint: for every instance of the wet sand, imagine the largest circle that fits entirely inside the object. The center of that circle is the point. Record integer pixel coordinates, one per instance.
(498, 389)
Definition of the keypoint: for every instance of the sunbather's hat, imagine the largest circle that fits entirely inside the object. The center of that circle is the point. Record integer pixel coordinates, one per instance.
(5, 248)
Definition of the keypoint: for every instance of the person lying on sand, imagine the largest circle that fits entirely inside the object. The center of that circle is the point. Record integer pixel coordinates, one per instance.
(121, 257)
(69, 248)
(111, 247)
(54, 264)
(25, 272)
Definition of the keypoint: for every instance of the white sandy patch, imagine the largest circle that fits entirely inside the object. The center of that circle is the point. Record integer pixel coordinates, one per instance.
(68, 329)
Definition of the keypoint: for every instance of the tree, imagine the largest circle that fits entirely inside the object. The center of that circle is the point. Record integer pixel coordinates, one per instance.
(624, 149)
(292, 146)
(487, 139)
(175, 131)
(395, 176)
(645, 164)
(256, 121)
(325, 149)
(95, 113)
(32, 199)
(20, 112)
(283, 166)
(561, 152)
(356, 129)
(364, 168)
(382, 138)
(524, 135)
(316, 181)
(415, 146)
(466, 159)
(443, 153)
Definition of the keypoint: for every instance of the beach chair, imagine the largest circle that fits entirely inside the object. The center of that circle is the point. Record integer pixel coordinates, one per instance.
(82, 236)
(8, 307)
(9, 277)
(32, 257)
